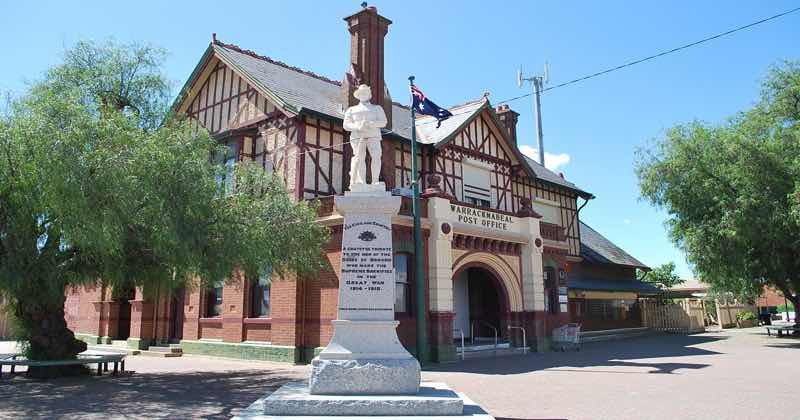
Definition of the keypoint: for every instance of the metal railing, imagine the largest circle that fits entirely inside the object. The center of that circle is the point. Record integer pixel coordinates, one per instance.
(472, 330)
(458, 330)
(524, 338)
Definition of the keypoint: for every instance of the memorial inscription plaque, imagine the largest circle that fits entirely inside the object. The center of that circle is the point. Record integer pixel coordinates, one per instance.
(367, 274)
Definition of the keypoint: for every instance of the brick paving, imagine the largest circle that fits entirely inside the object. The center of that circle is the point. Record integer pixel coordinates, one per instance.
(740, 374)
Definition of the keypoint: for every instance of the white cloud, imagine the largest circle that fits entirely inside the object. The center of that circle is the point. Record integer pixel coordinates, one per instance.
(552, 161)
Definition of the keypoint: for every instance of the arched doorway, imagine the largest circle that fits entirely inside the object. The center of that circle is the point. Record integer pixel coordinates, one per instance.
(480, 302)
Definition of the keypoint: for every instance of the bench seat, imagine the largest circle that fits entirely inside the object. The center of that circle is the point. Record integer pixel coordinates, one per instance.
(101, 360)
(780, 329)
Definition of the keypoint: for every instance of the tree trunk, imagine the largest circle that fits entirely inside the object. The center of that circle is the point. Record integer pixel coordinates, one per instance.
(43, 327)
(796, 302)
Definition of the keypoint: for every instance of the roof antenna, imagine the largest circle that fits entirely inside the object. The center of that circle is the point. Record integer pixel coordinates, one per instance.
(538, 82)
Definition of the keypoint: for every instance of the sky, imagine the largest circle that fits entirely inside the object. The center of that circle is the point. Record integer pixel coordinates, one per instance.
(459, 50)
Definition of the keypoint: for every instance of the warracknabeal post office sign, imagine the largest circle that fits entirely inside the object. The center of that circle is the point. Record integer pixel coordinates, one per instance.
(483, 218)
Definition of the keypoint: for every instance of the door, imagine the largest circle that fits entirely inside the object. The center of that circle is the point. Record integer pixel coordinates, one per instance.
(176, 315)
(461, 305)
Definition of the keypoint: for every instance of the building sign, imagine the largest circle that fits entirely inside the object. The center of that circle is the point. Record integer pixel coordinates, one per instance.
(483, 218)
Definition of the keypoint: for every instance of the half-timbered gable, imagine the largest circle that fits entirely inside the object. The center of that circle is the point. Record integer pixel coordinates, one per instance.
(480, 165)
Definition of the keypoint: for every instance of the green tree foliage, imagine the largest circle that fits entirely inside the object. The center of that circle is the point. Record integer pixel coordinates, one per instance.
(662, 276)
(732, 191)
(98, 185)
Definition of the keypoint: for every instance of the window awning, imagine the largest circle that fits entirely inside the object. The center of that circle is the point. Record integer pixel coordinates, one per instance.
(606, 285)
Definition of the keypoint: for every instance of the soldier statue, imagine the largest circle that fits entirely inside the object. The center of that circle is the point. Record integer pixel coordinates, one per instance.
(364, 122)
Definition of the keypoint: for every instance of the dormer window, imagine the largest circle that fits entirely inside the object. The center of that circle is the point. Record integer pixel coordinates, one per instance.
(477, 177)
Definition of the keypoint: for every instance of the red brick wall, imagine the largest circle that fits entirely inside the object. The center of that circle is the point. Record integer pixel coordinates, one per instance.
(81, 311)
(770, 297)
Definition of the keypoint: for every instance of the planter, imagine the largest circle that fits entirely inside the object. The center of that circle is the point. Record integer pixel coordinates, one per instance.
(746, 323)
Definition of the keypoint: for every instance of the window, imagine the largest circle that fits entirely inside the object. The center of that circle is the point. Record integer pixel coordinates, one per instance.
(228, 160)
(402, 291)
(477, 188)
(261, 294)
(214, 299)
(550, 291)
(480, 202)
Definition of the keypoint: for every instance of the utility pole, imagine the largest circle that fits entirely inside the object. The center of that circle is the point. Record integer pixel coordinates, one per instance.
(537, 82)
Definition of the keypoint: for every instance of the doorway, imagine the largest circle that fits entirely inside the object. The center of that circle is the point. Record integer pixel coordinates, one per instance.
(477, 304)
(123, 295)
(176, 315)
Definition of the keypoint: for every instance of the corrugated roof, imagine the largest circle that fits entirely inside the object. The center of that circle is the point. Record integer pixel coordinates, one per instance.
(596, 248)
(429, 133)
(606, 285)
(548, 175)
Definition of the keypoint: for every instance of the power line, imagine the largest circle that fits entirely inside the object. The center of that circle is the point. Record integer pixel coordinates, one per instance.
(663, 53)
(599, 73)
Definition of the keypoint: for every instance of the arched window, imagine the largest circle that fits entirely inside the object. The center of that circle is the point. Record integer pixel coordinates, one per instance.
(402, 283)
(260, 304)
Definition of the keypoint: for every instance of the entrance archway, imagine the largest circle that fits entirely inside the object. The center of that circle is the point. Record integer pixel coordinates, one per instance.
(480, 302)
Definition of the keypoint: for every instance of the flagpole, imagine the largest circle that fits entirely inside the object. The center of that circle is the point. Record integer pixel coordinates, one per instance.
(419, 272)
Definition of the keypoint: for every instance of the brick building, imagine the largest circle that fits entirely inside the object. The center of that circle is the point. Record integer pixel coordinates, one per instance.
(503, 244)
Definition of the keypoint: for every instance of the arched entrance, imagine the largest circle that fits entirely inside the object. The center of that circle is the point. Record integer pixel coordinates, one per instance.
(480, 302)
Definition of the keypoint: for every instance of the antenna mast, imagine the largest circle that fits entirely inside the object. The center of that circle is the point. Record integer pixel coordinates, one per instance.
(537, 82)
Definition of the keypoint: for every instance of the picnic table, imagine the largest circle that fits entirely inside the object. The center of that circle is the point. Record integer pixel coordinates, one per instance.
(780, 329)
(101, 360)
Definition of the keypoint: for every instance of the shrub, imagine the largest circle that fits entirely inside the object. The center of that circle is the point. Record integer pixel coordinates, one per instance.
(746, 316)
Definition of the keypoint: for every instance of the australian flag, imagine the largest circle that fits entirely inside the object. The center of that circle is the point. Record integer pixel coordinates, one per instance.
(425, 106)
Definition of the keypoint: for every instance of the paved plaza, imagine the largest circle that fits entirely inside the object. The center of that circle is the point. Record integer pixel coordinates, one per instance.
(735, 374)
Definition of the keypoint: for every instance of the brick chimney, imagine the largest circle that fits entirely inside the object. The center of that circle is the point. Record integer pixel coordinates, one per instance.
(367, 30)
(508, 117)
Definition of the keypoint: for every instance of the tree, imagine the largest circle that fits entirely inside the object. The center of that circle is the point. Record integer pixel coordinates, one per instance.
(663, 276)
(732, 191)
(99, 184)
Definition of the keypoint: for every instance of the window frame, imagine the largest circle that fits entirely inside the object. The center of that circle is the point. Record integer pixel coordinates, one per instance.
(218, 294)
(409, 308)
(257, 295)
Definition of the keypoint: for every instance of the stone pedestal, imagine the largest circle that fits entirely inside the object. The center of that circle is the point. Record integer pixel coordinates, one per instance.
(365, 356)
(365, 372)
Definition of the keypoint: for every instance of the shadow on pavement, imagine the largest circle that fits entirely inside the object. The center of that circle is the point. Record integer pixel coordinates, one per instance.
(150, 395)
(604, 354)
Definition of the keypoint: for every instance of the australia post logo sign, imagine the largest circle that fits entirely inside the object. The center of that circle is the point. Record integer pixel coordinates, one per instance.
(483, 218)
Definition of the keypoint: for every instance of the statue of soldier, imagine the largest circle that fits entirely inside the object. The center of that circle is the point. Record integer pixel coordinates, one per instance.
(364, 122)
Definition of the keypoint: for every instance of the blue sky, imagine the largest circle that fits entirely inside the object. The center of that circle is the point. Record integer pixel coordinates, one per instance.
(458, 50)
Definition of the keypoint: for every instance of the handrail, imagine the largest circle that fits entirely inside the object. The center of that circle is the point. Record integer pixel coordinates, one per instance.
(472, 328)
(524, 342)
(462, 340)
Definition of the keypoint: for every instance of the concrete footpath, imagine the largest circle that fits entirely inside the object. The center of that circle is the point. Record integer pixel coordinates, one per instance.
(735, 374)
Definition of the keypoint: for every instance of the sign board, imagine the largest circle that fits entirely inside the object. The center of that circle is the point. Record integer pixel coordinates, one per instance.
(484, 218)
(403, 192)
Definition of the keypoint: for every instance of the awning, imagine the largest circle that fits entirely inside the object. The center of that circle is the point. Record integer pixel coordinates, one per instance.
(606, 285)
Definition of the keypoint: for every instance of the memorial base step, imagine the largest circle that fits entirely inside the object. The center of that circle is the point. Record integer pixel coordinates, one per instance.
(435, 401)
